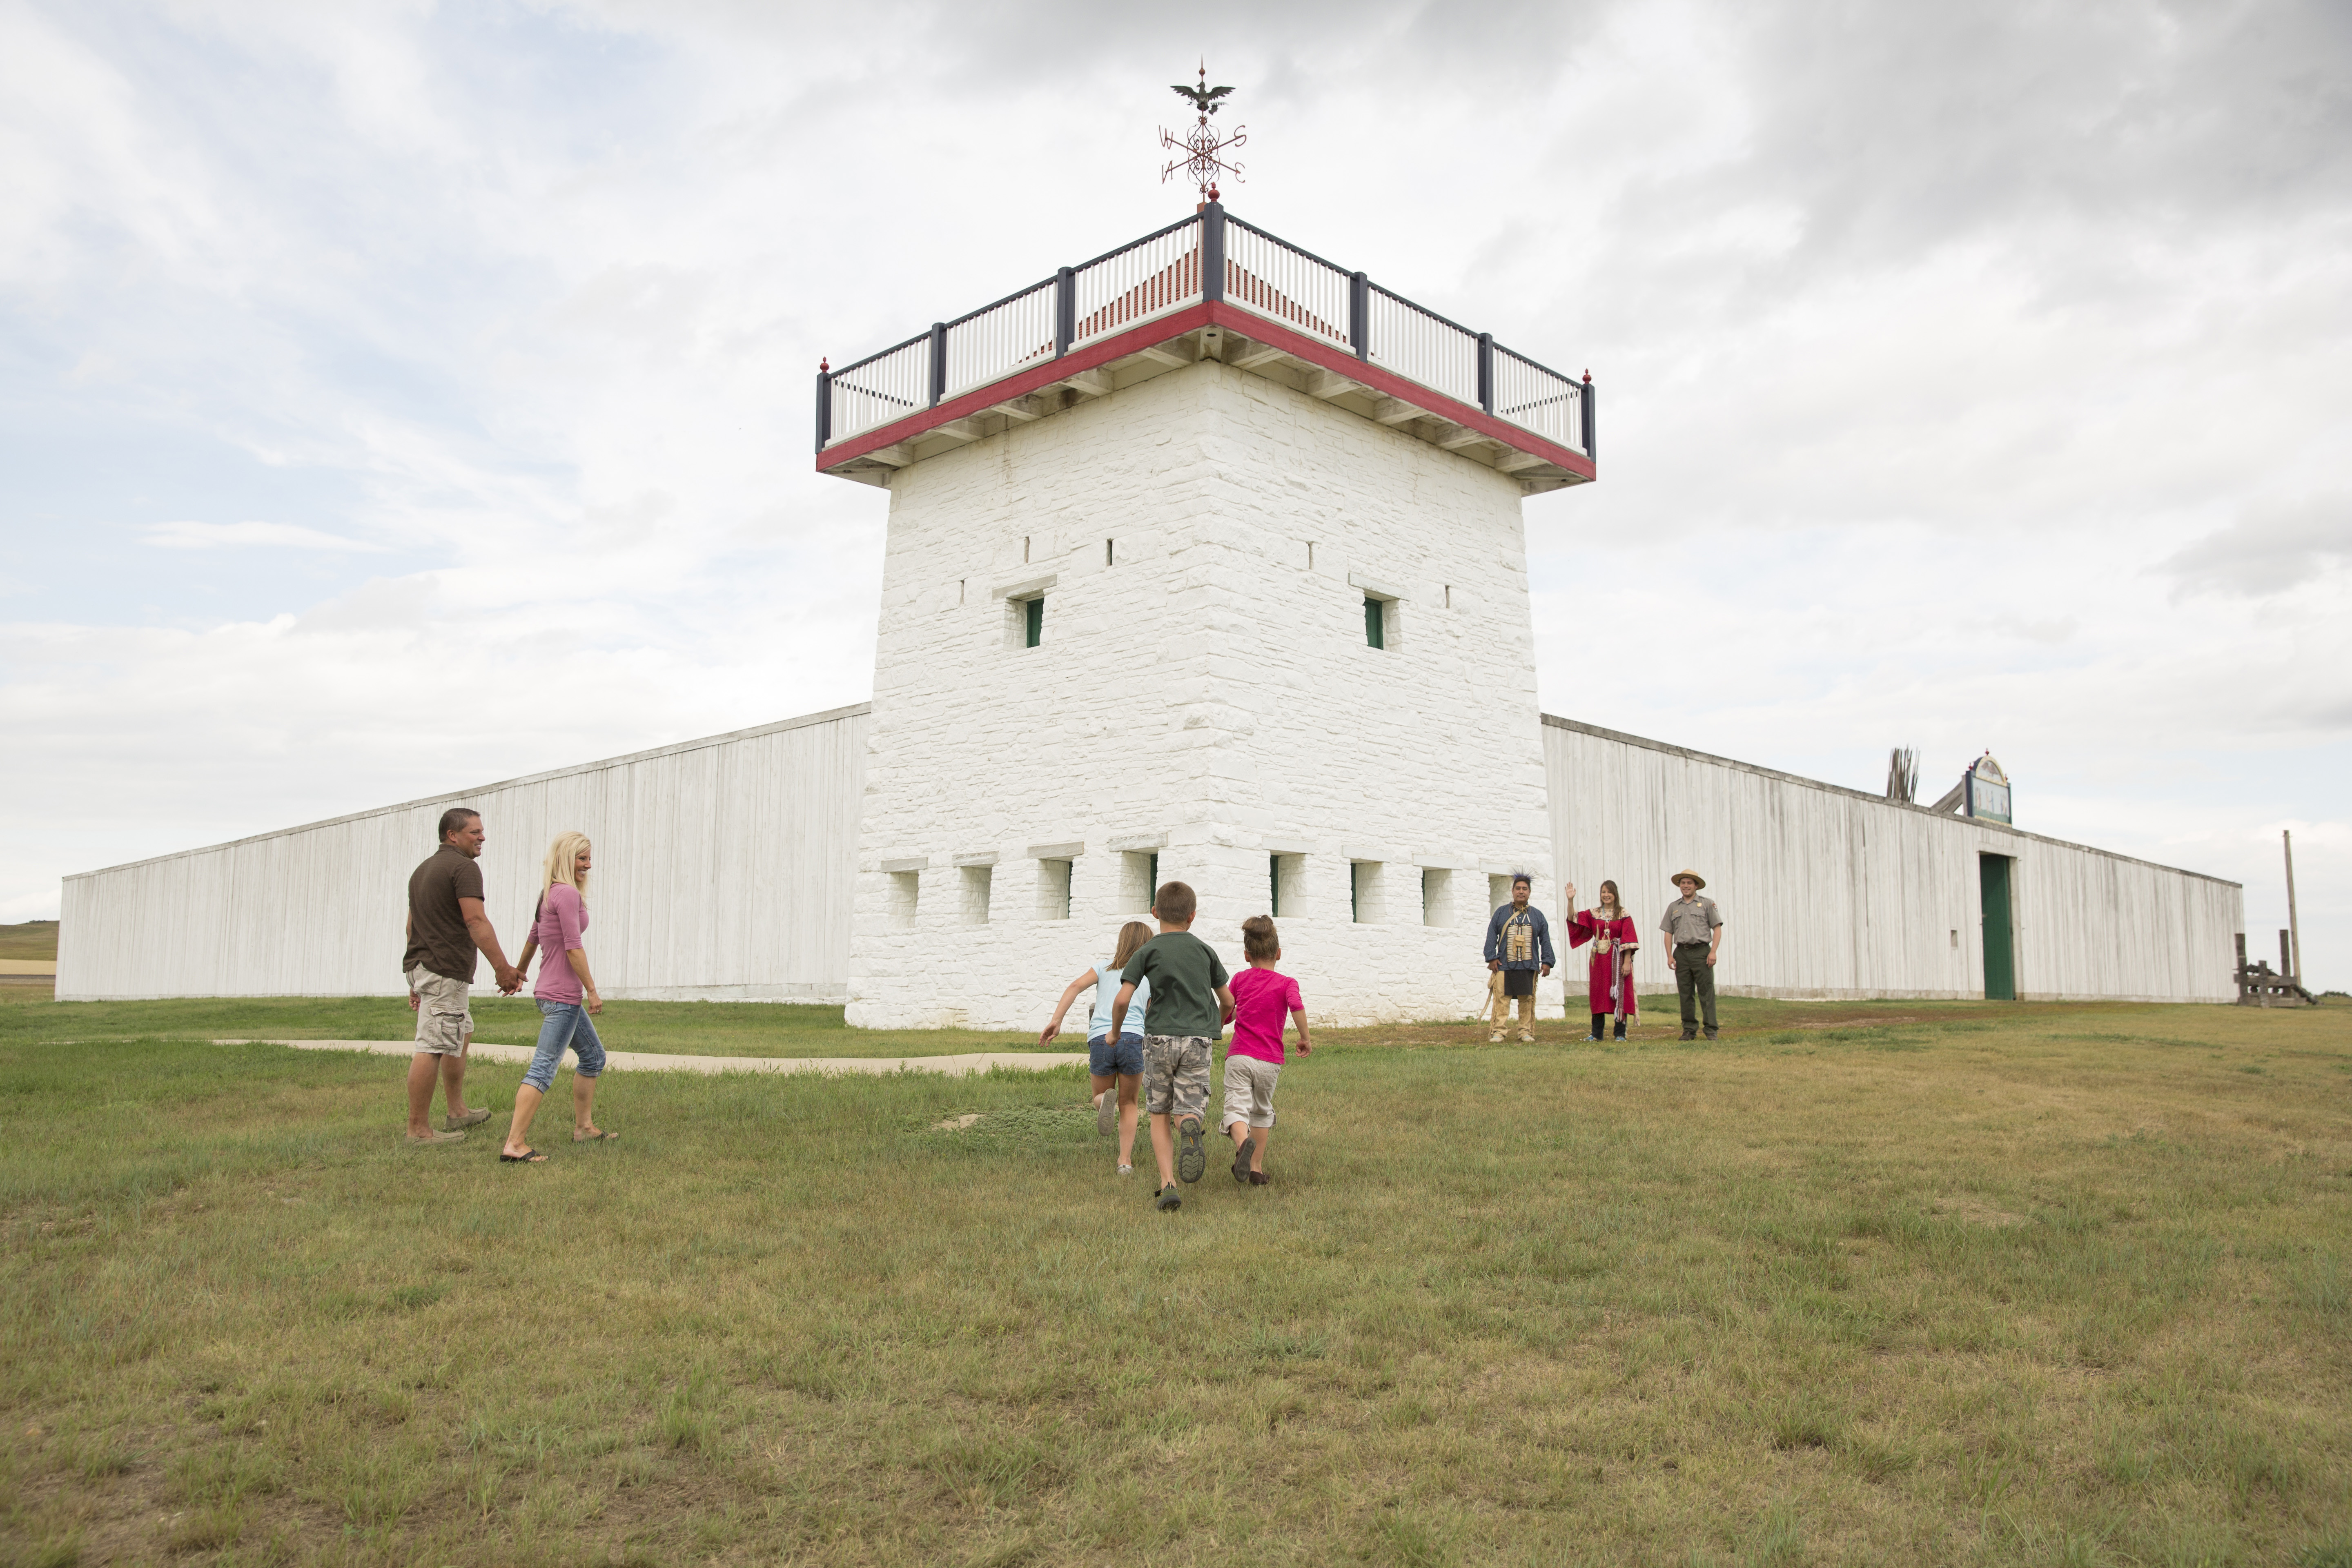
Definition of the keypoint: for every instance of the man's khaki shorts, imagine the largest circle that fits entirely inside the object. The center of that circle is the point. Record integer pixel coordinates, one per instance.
(444, 1018)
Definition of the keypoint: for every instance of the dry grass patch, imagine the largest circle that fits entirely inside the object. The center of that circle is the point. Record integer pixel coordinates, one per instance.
(1927, 1285)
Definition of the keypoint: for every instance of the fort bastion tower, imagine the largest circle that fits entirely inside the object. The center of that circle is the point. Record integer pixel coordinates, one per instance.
(1205, 563)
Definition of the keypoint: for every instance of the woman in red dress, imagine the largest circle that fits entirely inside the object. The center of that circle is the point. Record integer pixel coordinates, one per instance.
(1609, 977)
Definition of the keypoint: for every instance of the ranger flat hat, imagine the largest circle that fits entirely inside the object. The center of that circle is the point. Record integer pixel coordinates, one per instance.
(1691, 874)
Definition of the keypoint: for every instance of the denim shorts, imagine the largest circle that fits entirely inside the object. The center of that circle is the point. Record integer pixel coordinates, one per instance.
(1107, 1060)
(562, 1025)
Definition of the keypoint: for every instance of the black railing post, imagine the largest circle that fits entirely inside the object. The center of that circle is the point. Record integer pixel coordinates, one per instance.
(1585, 409)
(1486, 372)
(1213, 251)
(1065, 310)
(1360, 314)
(939, 361)
(823, 405)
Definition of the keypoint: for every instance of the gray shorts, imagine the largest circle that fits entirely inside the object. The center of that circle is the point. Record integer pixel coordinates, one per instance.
(1176, 1074)
(1249, 1091)
(444, 1018)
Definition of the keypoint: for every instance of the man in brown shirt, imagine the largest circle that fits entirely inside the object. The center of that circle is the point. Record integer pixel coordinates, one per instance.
(446, 926)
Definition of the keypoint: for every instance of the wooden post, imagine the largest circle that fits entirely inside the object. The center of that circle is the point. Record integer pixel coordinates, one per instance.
(2286, 959)
(2242, 968)
(2295, 932)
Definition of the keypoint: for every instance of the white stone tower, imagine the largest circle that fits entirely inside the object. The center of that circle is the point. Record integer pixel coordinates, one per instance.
(1205, 561)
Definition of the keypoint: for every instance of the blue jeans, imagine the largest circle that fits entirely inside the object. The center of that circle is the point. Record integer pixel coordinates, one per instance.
(564, 1024)
(1108, 1059)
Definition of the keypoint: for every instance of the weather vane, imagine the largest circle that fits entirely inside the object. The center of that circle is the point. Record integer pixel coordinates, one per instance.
(1200, 145)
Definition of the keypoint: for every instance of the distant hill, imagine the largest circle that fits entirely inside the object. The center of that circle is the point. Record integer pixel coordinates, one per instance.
(33, 939)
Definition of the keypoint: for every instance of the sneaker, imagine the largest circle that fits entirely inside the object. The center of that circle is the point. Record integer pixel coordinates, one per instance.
(1258, 1178)
(1590, 1039)
(1527, 1036)
(430, 1138)
(1496, 1038)
(1242, 1154)
(1710, 1033)
(1107, 1113)
(1127, 1169)
(1690, 1036)
(473, 1118)
(1169, 1198)
(1192, 1159)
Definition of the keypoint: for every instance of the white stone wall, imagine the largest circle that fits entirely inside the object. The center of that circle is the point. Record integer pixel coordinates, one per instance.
(1204, 690)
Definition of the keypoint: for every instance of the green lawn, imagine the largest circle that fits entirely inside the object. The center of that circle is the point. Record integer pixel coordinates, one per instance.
(1900, 1283)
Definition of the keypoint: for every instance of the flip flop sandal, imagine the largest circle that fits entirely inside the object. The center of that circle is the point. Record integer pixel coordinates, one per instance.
(594, 1137)
(1241, 1158)
(528, 1157)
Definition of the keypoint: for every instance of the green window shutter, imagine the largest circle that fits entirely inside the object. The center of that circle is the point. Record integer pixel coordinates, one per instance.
(1033, 617)
(1374, 633)
(1273, 886)
(1155, 877)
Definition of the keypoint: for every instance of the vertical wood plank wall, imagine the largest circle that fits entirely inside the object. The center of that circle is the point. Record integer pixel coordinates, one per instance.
(1830, 892)
(725, 869)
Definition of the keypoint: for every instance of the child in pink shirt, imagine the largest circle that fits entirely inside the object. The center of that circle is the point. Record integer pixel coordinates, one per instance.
(1260, 996)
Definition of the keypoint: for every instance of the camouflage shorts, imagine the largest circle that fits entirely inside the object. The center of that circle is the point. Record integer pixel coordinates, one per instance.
(1176, 1074)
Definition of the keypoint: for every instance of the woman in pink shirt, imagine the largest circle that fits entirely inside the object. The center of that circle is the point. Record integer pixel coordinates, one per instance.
(566, 994)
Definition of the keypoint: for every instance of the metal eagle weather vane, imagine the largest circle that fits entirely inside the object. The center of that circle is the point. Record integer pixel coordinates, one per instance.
(1200, 145)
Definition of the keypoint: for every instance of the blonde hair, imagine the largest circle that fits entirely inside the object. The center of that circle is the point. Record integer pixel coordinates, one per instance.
(1131, 935)
(563, 863)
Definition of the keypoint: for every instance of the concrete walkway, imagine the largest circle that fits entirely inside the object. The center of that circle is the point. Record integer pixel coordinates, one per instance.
(652, 1061)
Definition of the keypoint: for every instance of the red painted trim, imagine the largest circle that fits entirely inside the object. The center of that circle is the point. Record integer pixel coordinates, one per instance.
(1339, 362)
(1150, 334)
(1162, 329)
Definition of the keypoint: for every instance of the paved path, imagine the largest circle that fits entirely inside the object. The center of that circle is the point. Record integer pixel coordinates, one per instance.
(652, 1061)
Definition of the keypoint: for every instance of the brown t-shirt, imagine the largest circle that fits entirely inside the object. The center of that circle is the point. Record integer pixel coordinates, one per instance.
(437, 937)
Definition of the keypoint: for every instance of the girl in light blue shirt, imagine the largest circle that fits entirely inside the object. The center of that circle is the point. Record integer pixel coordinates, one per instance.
(1117, 1065)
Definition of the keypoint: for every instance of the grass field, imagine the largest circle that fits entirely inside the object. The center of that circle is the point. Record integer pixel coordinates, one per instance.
(29, 939)
(1901, 1283)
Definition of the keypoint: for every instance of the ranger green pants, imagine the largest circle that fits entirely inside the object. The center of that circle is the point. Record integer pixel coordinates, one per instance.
(1695, 979)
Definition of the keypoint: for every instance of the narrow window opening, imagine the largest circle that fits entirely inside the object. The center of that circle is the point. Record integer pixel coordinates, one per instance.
(1273, 886)
(1436, 897)
(1032, 621)
(976, 885)
(1110, 556)
(959, 584)
(1449, 596)
(1139, 881)
(1054, 889)
(905, 886)
(1364, 891)
(1498, 892)
(1310, 555)
(1375, 623)
(1025, 550)
(1956, 942)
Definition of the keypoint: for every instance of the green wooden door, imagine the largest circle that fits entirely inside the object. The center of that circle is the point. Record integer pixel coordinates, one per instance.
(1999, 947)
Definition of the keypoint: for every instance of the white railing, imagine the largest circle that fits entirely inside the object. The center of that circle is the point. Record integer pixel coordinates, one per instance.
(1284, 283)
(1424, 346)
(1157, 274)
(997, 339)
(1161, 273)
(890, 385)
(1536, 399)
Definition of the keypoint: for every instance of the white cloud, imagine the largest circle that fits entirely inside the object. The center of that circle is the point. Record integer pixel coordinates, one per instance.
(223, 535)
(1941, 355)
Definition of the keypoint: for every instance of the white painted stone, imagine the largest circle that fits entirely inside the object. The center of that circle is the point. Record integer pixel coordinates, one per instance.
(1207, 695)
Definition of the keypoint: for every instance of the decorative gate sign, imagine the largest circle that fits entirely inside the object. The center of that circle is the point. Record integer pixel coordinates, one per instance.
(1987, 790)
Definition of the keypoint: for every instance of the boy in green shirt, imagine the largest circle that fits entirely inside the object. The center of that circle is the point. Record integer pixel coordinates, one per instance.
(1190, 1006)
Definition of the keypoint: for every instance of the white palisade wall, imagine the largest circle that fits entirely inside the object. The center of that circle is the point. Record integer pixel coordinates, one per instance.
(723, 871)
(1830, 892)
(1204, 541)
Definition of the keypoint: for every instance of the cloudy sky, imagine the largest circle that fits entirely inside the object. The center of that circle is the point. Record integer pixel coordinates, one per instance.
(399, 397)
